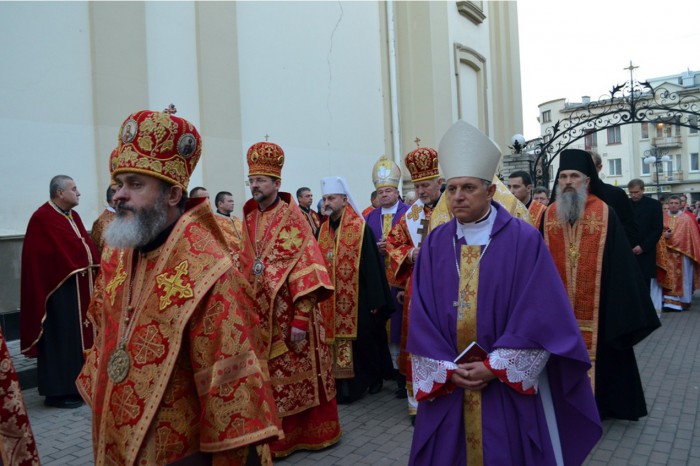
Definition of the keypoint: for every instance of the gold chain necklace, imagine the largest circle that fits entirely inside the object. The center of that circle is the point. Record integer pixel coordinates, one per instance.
(258, 265)
(119, 362)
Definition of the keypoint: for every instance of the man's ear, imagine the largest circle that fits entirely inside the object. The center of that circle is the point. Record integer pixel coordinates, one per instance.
(175, 194)
(491, 190)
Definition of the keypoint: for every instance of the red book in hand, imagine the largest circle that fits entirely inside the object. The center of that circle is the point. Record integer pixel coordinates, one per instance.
(473, 353)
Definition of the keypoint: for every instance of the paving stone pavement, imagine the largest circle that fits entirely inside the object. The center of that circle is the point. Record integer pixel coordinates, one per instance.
(376, 430)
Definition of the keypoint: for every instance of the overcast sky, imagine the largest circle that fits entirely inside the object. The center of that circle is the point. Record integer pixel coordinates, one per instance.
(571, 49)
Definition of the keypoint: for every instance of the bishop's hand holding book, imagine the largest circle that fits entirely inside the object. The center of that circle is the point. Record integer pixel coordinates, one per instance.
(472, 353)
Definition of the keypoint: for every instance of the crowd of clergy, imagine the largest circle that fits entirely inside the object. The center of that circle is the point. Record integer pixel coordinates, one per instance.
(506, 317)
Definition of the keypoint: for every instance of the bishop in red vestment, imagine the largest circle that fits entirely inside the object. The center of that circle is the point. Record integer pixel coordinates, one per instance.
(289, 278)
(176, 373)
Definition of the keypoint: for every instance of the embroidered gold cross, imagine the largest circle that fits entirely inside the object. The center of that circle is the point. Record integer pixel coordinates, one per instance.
(350, 236)
(173, 284)
(290, 238)
(118, 279)
(414, 214)
(463, 305)
(592, 223)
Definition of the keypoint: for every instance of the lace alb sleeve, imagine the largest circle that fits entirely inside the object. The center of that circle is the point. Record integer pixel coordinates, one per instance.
(521, 366)
(429, 374)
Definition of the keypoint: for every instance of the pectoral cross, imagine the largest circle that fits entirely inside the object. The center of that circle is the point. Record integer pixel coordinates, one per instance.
(462, 304)
(423, 230)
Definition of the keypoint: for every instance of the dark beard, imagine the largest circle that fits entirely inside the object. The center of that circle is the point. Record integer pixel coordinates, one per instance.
(570, 205)
(145, 224)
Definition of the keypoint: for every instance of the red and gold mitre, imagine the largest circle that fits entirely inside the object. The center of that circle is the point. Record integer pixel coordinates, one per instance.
(265, 158)
(113, 160)
(422, 163)
(158, 144)
(386, 173)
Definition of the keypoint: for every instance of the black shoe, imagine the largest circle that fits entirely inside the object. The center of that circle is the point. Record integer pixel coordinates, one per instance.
(401, 394)
(376, 387)
(63, 402)
(413, 419)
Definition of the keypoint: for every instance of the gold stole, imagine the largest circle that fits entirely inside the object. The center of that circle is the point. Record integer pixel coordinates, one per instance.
(342, 253)
(466, 333)
(577, 251)
(386, 228)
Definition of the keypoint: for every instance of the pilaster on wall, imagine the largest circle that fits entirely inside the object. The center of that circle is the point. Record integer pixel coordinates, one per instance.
(224, 168)
(506, 88)
(425, 100)
(119, 75)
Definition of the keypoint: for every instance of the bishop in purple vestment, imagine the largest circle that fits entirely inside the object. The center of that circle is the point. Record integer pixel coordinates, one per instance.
(489, 266)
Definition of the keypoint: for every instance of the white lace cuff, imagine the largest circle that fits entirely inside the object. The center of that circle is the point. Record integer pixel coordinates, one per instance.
(521, 365)
(429, 372)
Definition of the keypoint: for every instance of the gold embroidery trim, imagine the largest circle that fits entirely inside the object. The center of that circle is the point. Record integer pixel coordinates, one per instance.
(466, 333)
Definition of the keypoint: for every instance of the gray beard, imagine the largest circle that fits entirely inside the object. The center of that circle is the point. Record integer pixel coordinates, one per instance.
(140, 229)
(571, 205)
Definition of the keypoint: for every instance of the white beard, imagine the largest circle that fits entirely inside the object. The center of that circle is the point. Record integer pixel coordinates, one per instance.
(570, 206)
(139, 230)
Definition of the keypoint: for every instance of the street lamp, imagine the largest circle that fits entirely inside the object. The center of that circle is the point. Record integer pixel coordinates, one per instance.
(518, 145)
(657, 157)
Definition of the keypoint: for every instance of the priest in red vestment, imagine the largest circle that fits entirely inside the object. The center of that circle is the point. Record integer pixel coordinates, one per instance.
(58, 264)
(285, 267)
(404, 242)
(176, 373)
(604, 283)
(17, 445)
(362, 302)
(682, 256)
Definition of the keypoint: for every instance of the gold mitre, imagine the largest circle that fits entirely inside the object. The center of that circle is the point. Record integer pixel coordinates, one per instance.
(466, 151)
(386, 173)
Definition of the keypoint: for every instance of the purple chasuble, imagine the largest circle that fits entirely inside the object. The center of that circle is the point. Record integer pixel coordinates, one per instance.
(375, 221)
(522, 304)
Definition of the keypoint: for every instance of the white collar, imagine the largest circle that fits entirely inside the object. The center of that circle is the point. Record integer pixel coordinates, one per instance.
(477, 233)
(390, 210)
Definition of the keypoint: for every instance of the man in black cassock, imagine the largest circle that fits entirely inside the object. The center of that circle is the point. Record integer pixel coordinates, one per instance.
(616, 198)
(344, 235)
(605, 286)
(649, 216)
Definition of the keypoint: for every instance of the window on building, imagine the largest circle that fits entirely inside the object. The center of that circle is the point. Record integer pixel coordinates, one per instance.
(694, 162)
(546, 116)
(590, 140)
(645, 130)
(660, 131)
(614, 135)
(615, 167)
(646, 168)
(693, 120)
(679, 162)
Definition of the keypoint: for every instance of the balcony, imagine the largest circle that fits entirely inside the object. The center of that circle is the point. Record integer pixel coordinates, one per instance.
(666, 177)
(666, 141)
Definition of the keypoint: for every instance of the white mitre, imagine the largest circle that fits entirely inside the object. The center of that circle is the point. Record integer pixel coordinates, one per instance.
(338, 185)
(466, 151)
